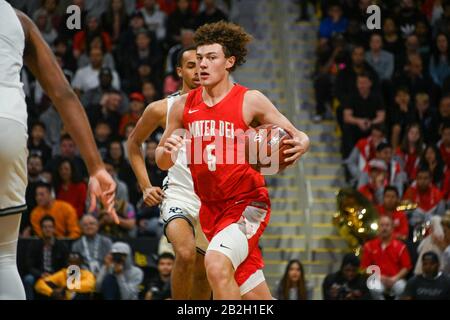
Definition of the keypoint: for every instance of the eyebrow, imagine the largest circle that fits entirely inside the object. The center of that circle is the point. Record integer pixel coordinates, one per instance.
(208, 53)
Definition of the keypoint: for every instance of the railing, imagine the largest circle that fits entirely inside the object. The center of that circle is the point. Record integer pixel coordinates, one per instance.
(305, 193)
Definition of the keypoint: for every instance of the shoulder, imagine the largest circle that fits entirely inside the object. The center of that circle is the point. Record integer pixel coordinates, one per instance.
(63, 205)
(25, 21)
(105, 240)
(75, 245)
(371, 244)
(445, 278)
(157, 107)
(256, 98)
(413, 280)
(180, 100)
(399, 245)
(80, 186)
(251, 95)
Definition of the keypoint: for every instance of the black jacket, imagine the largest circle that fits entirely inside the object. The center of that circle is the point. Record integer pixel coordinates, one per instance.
(35, 258)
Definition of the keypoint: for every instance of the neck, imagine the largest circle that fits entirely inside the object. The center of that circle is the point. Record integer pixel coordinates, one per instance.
(365, 94)
(358, 68)
(91, 236)
(386, 240)
(165, 278)
(376, 51)
(389, 210)
(215, 93)
(185, 88)
(48, 205)
(48, 239)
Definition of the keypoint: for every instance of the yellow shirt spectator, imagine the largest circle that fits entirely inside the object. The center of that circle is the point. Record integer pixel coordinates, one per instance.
(59, 279)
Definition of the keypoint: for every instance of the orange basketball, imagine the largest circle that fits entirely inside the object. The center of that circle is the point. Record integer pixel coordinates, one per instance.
(264, 148)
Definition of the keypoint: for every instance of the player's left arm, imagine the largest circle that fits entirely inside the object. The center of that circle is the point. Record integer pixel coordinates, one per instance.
(259, 109)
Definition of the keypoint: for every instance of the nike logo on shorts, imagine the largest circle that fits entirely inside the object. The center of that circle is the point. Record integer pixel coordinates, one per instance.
(222, 246)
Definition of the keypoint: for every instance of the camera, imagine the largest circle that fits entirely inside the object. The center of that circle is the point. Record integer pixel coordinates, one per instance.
(343, 291)
(118, 257)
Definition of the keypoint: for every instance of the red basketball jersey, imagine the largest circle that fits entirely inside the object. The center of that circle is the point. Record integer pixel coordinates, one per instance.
(215, 150)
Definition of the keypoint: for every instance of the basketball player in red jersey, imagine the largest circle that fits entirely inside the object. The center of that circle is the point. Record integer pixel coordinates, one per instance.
(235, 205)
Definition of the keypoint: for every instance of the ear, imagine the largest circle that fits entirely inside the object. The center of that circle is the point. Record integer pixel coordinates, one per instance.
(179, 72)
(230, 62)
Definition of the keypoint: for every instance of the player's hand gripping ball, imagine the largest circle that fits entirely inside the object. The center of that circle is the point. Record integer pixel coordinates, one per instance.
(264, 148)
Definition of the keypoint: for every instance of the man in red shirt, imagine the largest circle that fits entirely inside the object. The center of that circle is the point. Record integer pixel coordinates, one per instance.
(373, 190)
(389, 208)
(392, 258)
(428, 198)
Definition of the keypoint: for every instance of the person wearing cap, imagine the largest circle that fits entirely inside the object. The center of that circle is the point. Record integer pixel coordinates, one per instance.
(118, 278)
(373, 190)
(391, 257)
(395, 174)
(136, 108)
(347, 283)
(427, 196)
(432, 284)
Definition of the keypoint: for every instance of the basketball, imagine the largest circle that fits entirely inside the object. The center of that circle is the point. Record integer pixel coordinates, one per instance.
(265, 148)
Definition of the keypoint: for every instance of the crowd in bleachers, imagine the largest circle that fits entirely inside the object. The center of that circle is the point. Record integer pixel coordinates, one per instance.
(389, 90)
(121, 59)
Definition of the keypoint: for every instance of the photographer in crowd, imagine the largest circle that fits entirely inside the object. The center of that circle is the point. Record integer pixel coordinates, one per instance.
(119, 279)
(347, 283)
(159, 287)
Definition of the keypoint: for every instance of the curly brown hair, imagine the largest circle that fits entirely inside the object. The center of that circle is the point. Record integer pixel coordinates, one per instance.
(230, 36)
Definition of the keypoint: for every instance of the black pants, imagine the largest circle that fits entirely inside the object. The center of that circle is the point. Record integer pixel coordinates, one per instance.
(110, 288)
(350, 136)
(323, 91)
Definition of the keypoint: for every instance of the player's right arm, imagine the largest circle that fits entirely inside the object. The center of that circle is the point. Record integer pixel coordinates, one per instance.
(153, 117)
(171, 141)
